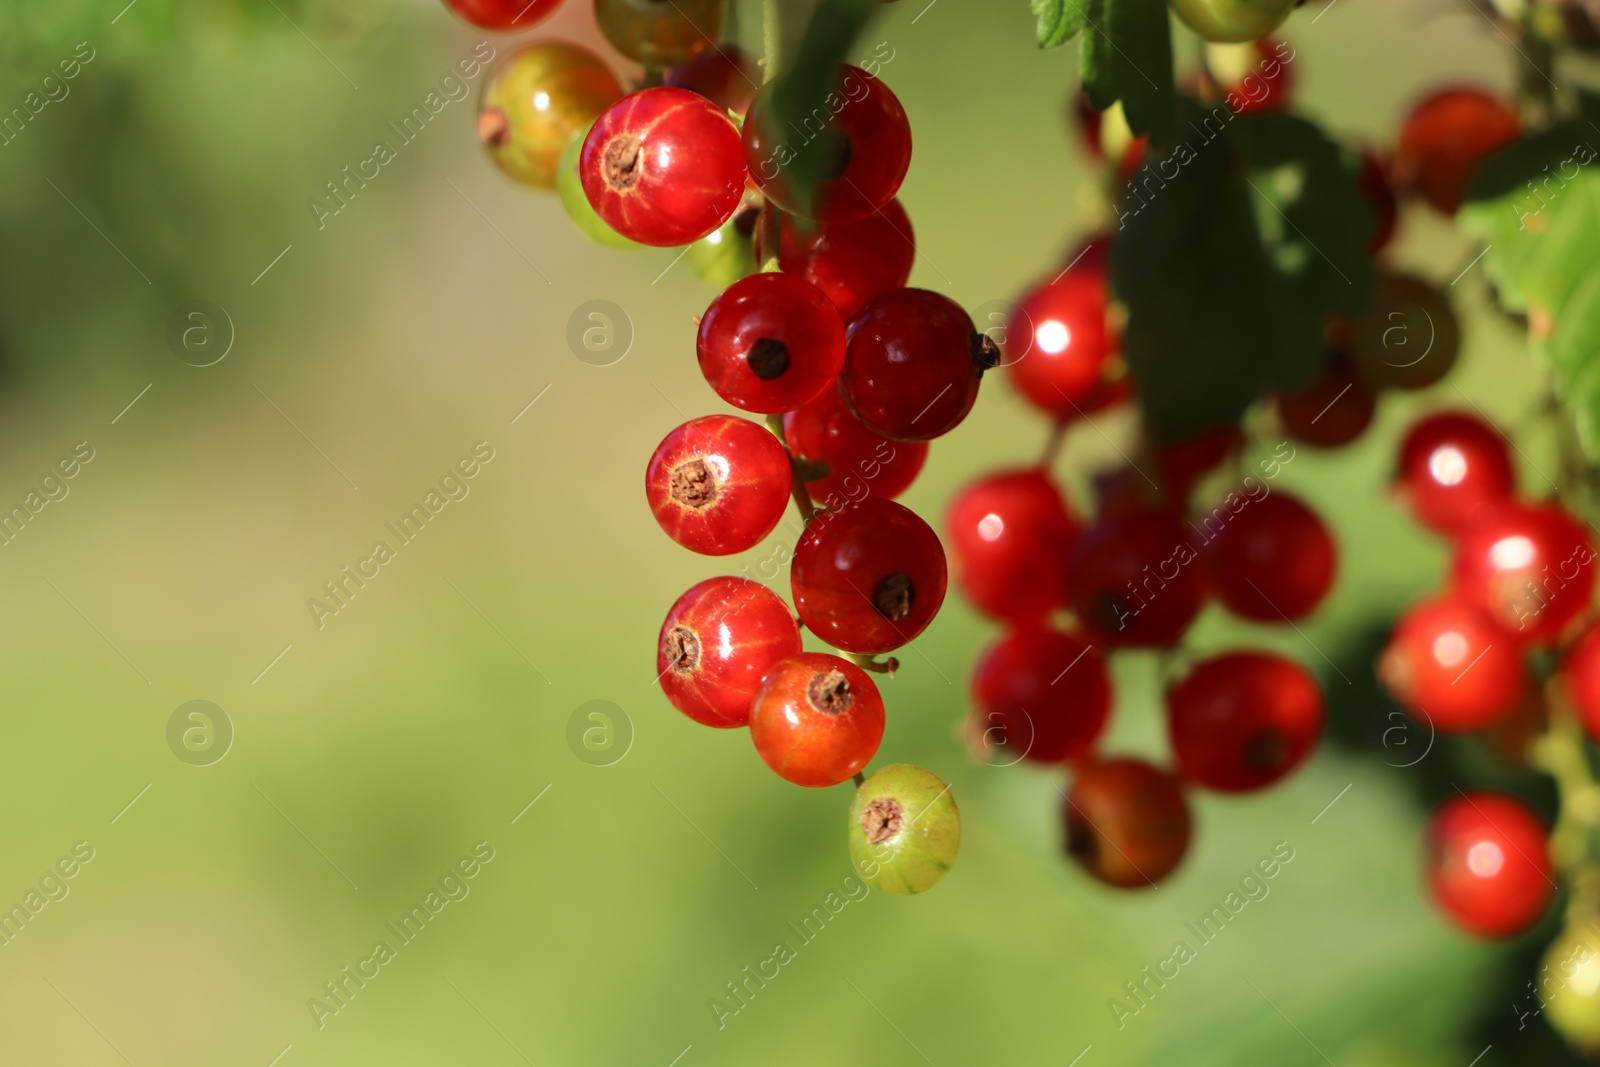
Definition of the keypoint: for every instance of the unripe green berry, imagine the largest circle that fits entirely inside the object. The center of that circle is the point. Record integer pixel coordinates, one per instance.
(904, 830)
(1234, 21)
(1568, 982)
(570, 188)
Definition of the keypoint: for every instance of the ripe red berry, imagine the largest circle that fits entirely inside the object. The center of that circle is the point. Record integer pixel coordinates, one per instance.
(1271, 558)
(1181, 465)
(850, 261)
(1580, 672)
(1447, 662)
(1041, 693)
(1453, 468)
(860, 463)
(1488, 863)
(717, 643)
(724, 75)
(718, 484)
(1529, 566)
(913, 365)
(536, 102)
(770, 343)
(1255, 79)
(859, 149)
(503, 14)
(663, 167)
(1009, 536)
(1444, 138)
(1135, 579)
(1335, 410)
(660, 34)
(1127, 822)
(1377, 187)
(1058, 341)
(1408, 339)
(817, 719)
(868, 577)
(1243, 720)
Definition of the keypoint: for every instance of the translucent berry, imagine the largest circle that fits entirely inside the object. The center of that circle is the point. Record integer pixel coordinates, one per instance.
(662, 166)
(1453, 469)
(904, 830)
(868, 577)
(1242, 721)
(503, 14)
(536, 102)
(1134, 578)
(1529, 566)
(859, 147)
(1009, 536)
(1042, 693)
(660, 33)
(718, 484)
(1447, 662)
(1408, 339)
(1335, 410)
(859, 462)
(1271, 558)
(1058, 341)
(717, 643)
(724, 75)
(850, 261)
(817, 719)
(771, 343)
(1488, 863)
(1127, 822)
(913, 365)
(1232, 20)
(1444, 138)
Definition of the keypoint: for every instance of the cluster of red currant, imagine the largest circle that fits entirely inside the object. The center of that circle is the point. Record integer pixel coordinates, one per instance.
(853, 371)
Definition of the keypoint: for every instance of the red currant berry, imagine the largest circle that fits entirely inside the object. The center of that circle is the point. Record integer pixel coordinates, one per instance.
(1058, 341)
(724, 75)
(850, 261)
(1408, 339)
(1105, 135)
(1580, 672)
(1009, 537)
(1454, 468)
(1334, 411)
(860, 153)
(1447, 662)
(904, 830)
(1182, 464)
(859, 462)
(913, 364)
(817, 719)
(1377, 187)
(1529, 566)
(868, 577)
(503, 14)
(1488, 863)
(1244, 720)
(657, 33)
(1444, 138)
(662, 166)
(717, 643)
(770, 343)
(1127, 822)
(1042, 694)
(1135, 579)
(1271, 559)
(536, 102)
(718, 484)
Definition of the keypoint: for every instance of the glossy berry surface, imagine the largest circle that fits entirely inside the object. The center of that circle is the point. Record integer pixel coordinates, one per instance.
(1234, 21)
(1271, 558)
(1488, 865)
(1134, 578)
(724, 74)
(536, 102)
(868, 577)
(1335, 410)
(1444, 138)
(1453, 468)
(913, 365)
(1449, 664)
(1009, 535)
(1126, 822)
(904, 830)
(1241, 721)
(1058, 341)
(1529, 566)
(1042, 695)
(717, 643)
(569, 187)
(1580, 673)
(1409, 339)
(660, 33)
(850, 261)
(662, 166)
(503, 14)
(859, 462)
(718, 484)
(770, 343)
(817, 719)
(860, 155)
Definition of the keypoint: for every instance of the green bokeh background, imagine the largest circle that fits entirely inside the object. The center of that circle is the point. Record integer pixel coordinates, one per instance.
(425, 716)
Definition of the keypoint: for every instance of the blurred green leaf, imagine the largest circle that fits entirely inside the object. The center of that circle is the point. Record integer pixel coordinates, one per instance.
(1126, 55)
(1059, 21)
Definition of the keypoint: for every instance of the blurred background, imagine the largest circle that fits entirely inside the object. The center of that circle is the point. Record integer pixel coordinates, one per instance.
(431, 718)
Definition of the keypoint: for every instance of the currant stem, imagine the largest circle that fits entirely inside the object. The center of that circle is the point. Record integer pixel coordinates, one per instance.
(870, 663)
(1053, 443)
(802, 496)
(859, 779)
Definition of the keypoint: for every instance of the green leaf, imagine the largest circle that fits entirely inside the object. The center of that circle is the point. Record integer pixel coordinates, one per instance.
(1233, 250)
(1537, 205)
(1059, 21)
(1125, 54)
